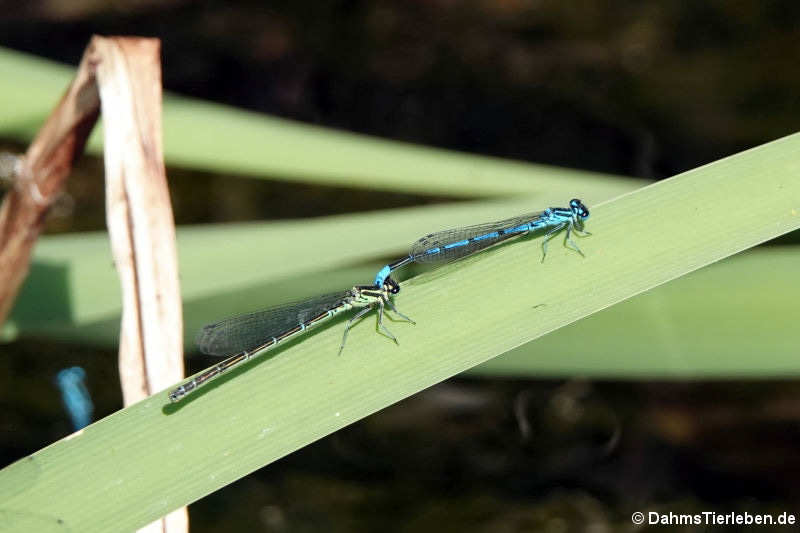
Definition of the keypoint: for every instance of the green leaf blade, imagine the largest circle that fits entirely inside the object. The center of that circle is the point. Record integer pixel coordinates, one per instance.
(152, 457)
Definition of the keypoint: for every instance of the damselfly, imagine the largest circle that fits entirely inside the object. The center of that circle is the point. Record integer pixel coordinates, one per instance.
(253, 334)
(452, 244)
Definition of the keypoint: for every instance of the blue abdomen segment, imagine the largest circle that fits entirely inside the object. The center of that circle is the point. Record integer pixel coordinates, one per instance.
(453, 244)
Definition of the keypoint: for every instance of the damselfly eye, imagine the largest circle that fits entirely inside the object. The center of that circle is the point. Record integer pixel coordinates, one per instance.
(578, 208)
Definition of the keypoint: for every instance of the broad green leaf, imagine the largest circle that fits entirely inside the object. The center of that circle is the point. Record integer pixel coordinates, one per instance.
(150, 458)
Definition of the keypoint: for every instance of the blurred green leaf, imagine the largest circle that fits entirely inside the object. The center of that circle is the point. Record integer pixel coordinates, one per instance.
(732, 319)
(73, 290)
(213, 137)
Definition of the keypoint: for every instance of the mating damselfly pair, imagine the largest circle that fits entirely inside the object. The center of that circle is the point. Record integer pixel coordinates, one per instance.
(252, 334)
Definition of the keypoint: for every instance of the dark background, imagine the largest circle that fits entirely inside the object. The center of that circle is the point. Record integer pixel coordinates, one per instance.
(645, 89)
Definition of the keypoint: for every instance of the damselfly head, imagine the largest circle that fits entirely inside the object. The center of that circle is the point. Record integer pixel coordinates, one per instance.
(578, 209)
(391, 285)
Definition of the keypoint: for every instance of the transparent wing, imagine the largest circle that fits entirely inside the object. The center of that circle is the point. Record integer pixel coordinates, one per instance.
(440, 239)
(244, 332)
